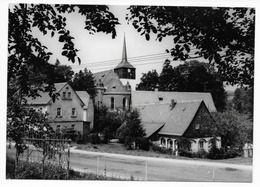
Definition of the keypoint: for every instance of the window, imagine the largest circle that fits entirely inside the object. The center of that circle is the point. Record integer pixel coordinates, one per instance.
(59, 112)
(112, 103)
(160, 98)
(64, 95)
(197, 126)
(73, 112)
(201, 144)
(69, 95)
(124, 103)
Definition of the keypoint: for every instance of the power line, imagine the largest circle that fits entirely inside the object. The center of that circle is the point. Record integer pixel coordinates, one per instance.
(132, 59)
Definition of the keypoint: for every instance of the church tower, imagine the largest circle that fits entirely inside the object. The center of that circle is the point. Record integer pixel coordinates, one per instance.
(124, 69)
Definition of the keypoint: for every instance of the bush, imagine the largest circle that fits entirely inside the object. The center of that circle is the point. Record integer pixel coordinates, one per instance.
(201, 154)
(215, 153)
(230, 153)
(94, 138)
(144, 144)
(162, 150)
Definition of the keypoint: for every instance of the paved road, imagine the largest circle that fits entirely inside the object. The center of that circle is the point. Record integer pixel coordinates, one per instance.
(158, 169)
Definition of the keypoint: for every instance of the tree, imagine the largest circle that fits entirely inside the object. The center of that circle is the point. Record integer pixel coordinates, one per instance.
(192, 76)
(84, 81)
(26, 51)
(28, 69)
(131, 131)
(224, 36)
(62, 73)
(235, 129)
(149, 81)
(243, 101)
(107, 122)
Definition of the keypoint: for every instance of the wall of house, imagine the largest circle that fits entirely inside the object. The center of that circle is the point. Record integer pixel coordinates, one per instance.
(42, 108)
(82, 127)
(202, 124)
(196, 145)
(118, 100)
(66, 105)
(90, 113)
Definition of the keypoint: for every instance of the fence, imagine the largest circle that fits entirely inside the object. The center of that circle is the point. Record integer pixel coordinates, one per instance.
(45, 151)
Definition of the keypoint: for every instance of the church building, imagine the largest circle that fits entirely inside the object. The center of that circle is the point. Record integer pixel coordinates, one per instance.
(111, 92)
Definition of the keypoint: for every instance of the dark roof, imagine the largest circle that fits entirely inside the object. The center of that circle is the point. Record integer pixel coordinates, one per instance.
(44, 97)
(151, 128)
(124, 64)
(152, 97)
(105, 76)
(176, 119)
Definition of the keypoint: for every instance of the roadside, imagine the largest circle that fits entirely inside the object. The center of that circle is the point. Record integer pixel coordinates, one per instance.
(119, 150)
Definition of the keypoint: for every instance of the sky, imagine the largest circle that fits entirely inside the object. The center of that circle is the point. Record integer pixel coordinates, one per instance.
(100, 52)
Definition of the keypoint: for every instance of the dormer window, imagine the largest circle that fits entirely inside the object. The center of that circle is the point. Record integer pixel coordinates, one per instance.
(197, 126)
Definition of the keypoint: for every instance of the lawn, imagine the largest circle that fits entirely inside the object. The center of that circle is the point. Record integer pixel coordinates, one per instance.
(118, 148)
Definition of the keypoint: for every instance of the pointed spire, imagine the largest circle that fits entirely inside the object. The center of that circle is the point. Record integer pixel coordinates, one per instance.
(124, 55)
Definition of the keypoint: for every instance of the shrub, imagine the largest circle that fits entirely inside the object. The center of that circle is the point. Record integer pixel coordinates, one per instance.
(162, 150)
(144, 144)
(94, 138)
(215, 153)
(201, 154)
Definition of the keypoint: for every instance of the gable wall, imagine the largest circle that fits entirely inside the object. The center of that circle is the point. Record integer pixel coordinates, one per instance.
(205, 121)
(66, 105)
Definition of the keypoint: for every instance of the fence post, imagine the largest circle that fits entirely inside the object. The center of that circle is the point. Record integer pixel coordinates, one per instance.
(97, 165)
(68, 162)
(146, 171)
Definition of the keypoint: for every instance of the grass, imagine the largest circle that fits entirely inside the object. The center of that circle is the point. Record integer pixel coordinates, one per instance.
(118, 148)
(53, 172)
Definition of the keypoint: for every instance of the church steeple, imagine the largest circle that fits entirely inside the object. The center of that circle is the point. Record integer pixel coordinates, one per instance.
(124, 69)
(124, 54)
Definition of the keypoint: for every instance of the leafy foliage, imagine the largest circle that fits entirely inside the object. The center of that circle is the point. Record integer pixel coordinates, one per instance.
(62, 73)
(149, 81)
(224, 36)
(235, 129)
(132, 130)
(243, 101)
(84, 81)
(28, 68)
(107, 122)
(192, 76)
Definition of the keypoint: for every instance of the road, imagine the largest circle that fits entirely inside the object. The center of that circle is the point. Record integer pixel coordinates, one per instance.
(158, 169)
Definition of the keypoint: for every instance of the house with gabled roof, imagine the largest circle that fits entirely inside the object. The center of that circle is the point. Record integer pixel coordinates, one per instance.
(72, 109)
(165, 123)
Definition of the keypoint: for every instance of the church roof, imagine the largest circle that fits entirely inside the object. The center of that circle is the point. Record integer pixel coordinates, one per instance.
(105, 76)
